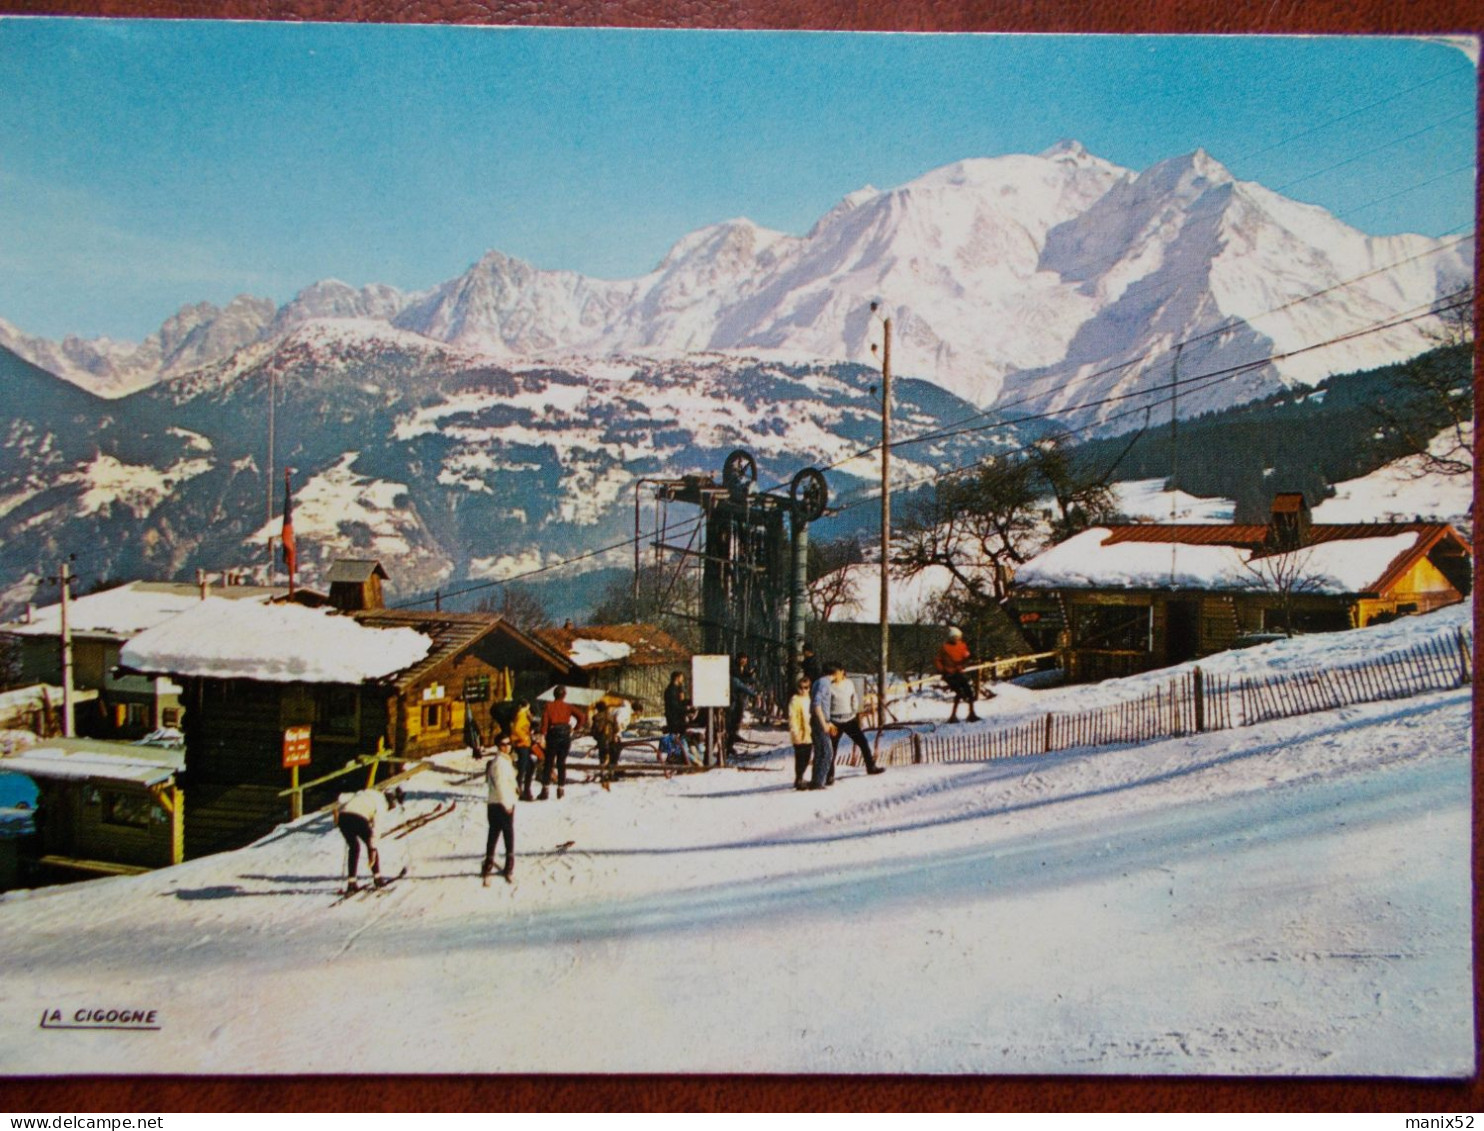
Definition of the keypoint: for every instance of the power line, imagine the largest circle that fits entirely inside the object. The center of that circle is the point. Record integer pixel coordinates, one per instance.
(1369, 152)
(1354, 113)
(1467, 167)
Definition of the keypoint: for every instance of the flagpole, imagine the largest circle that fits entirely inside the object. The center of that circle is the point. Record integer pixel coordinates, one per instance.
(290, 551)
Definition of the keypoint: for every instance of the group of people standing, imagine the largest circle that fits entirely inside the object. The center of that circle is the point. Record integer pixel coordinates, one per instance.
(825, 707)
(512, 766)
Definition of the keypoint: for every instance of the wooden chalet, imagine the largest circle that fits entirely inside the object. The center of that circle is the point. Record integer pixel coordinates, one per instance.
(393, 682)
(1123, 598)
(109, 703)
(633, 661)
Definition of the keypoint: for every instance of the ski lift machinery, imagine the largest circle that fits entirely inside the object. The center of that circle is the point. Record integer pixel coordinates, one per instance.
(753, 560)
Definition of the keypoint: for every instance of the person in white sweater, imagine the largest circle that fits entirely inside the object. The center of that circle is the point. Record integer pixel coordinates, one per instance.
(356, 815)
(503, 793)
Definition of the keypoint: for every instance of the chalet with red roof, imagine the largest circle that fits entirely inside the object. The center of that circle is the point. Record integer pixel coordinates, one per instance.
(1116, 599)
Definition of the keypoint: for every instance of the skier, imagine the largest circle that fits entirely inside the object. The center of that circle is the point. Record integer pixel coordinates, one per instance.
(558, 722)
(952, 658)
(799, 731)
(503, 791)
(520, 740)
(356, 814)
(845, 719)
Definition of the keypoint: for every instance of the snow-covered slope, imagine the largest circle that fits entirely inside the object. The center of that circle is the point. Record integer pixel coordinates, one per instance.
(1404, 489)
(1185, 253)
(1291, 898)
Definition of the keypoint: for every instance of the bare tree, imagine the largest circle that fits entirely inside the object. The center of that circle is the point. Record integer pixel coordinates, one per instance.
(1435, 418)
(519, 605)
(1285, 574)
(997, 516)
(832, 580)
(990, 517)
(669, 597)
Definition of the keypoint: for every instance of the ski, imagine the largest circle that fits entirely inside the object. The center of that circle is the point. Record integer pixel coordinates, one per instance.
(411, 826)
(360, 892)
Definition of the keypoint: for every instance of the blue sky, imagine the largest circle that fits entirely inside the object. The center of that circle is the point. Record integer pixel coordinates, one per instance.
(144, 165)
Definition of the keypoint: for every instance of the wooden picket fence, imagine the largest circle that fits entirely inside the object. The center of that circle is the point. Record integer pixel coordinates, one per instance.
(1437, 664)
(1197, 701)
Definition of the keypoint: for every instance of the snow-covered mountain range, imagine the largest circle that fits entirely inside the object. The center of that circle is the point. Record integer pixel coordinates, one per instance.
(500, 420)
(430, 457)
(1051, 281)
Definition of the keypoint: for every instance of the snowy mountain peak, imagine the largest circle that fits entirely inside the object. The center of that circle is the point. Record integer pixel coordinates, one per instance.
(1188, 175)
(1067, 148)
(730, 237)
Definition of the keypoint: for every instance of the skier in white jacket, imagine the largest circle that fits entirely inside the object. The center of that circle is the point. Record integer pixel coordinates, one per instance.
(503, 793)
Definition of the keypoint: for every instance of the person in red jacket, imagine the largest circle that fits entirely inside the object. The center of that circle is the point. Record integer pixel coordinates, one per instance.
(953, 657)
(558, 722)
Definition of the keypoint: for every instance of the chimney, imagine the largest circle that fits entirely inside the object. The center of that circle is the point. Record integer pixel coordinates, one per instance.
(1289, 526)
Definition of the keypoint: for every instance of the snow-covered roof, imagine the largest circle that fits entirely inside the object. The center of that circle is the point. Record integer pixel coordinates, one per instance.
(585, 653)
(128, 609)
(85, 759)
(614, 644)
(283, 643)
(1095, 560)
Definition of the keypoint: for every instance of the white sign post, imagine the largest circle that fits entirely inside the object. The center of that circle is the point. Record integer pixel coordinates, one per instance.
(711, 687)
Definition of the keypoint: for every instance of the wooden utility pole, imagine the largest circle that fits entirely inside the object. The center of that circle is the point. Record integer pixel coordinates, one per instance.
(69, 730)
(885, 657)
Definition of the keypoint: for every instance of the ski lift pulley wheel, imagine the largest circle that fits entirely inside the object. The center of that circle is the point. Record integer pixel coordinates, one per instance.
(739, 471)
(810, 493)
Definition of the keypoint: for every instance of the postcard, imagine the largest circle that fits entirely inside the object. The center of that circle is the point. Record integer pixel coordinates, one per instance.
(629, 551)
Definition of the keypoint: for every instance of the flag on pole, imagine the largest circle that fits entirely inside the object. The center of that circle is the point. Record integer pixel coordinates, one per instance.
(290, 553)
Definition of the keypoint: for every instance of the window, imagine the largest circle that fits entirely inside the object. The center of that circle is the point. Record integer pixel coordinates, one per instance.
(1113, 628)
(136, 715)
(337, 711)
(127, 810)
(170, 717)
(435, 716)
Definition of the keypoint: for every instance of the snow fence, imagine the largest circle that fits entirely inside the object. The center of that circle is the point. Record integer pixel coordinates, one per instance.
(1192, 701)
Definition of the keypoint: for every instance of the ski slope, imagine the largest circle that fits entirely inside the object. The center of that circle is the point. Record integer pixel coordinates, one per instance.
(1288, 898)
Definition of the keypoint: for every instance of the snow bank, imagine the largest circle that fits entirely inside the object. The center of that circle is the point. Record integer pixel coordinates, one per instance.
(279, 643)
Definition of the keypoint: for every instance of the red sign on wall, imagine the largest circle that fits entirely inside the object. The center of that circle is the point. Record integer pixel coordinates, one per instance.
(295, 747)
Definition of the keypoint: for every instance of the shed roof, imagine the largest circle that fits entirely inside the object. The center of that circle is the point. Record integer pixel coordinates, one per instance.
(452, 633)
(647, 644)
(354, 570)
(87, 759)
